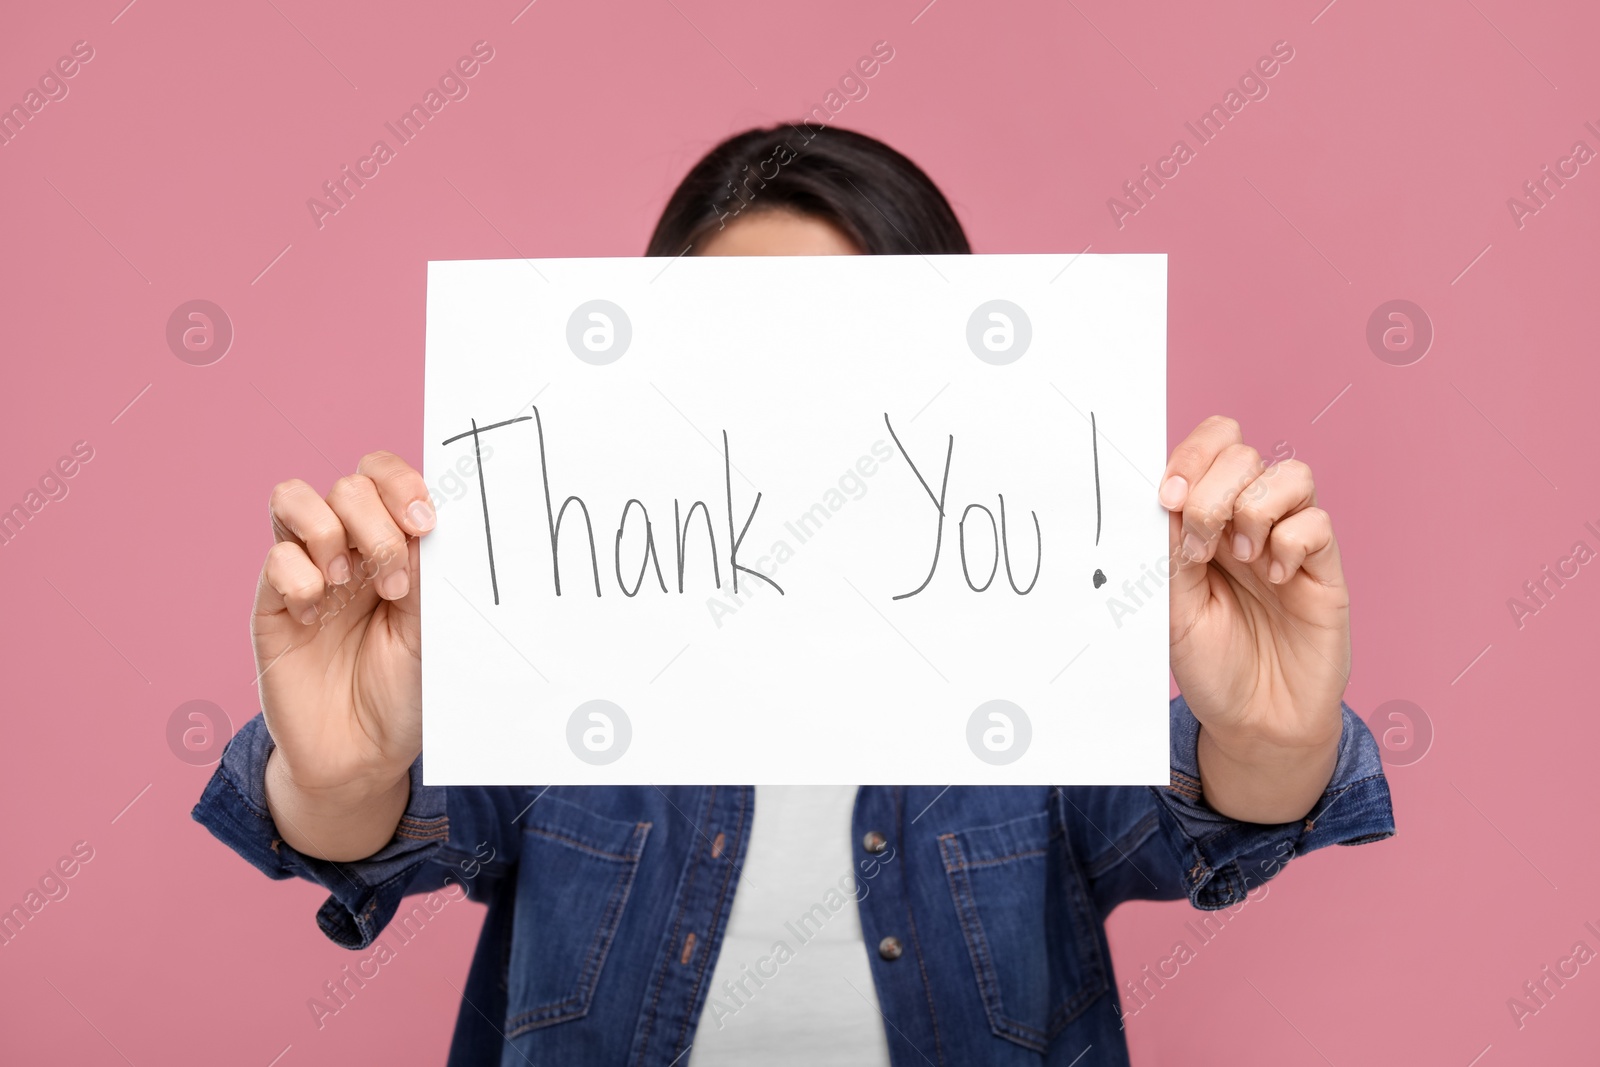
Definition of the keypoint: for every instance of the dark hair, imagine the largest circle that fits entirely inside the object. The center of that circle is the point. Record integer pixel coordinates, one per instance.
(880, 199)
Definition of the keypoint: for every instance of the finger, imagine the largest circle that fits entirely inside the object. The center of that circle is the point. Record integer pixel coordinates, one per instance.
(1303, 541)
(1193, 457)
(299, 514)
(373, 532)
(1210, 503)
(1281, 490)
(290, 582)
(402, 490)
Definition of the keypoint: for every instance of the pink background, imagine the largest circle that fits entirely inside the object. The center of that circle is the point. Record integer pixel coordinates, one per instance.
(1378, 168)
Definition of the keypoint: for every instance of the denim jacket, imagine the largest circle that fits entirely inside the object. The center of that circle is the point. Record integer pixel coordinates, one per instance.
(984, 923)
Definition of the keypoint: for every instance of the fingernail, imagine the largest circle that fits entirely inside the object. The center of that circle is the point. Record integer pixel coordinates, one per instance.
(420, 514)
(1193, 547)
(394, 586)
(1241, 547)
(1275, 574)
(1173, 490)
(339, 570)
(308, 616)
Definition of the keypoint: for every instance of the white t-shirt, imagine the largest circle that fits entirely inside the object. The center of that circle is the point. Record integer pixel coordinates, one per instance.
(792, 983)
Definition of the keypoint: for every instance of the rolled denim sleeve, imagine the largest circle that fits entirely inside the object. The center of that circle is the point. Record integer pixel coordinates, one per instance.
(1223, 859)
(1165, 842)
(443, 832)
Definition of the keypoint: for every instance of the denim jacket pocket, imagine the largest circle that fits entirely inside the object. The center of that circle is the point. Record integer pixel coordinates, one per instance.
(1028, 924)
(575, 873)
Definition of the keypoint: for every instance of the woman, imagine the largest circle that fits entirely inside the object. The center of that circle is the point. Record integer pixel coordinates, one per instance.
(719, 925)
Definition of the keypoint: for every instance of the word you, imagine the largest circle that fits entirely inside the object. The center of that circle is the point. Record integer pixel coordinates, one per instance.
(1000, 541)
(737, 993)
(341, 990)
(1539, 992)
(1541, 590)
(452, 86)
(851, 485)
(52, 88)
(52, 487)
(52, 887)
(853, 87)
(1539, 190)
(1141, 190)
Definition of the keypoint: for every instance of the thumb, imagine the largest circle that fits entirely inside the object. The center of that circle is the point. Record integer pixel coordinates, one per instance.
(407, 611)
(1187, 580)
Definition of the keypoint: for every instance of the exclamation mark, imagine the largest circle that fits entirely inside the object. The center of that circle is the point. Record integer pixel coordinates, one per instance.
(1094, 444)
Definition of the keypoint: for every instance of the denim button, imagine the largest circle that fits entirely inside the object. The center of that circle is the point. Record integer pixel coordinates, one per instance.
(890, 948)
(874, 842)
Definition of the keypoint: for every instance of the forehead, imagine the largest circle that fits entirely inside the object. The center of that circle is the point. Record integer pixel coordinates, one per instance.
(777, 233)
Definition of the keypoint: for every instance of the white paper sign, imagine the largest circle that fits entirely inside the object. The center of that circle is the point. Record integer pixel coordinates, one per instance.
(854, 519)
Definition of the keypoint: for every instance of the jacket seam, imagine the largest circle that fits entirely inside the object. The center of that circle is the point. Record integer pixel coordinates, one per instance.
(677, 927)
(916, 941)
(582, 847)
(722, 896)
(1131, 841)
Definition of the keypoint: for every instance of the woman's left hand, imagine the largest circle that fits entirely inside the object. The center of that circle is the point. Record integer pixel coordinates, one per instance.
(1260, 618)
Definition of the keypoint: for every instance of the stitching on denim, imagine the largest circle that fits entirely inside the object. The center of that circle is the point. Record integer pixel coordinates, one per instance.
(599, 946)
(966, 901)
(1201, 844)
(226, 779)
(1141, 832)
(435, 835)
(628, 857)
(973, 865)
(911, 929)
(722, 896)
(1093, 984)
(568, 1017)
(333, 908)
(649, 1023)
(1183, 784)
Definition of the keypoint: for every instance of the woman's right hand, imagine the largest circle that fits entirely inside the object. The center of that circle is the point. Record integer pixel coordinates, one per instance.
(338, 647)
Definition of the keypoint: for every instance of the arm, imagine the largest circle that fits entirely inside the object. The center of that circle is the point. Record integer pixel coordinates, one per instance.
(340, 822)
(1261, 781)
(458, 842)
(1167, 842)
(338, 649)
(1260, 619)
